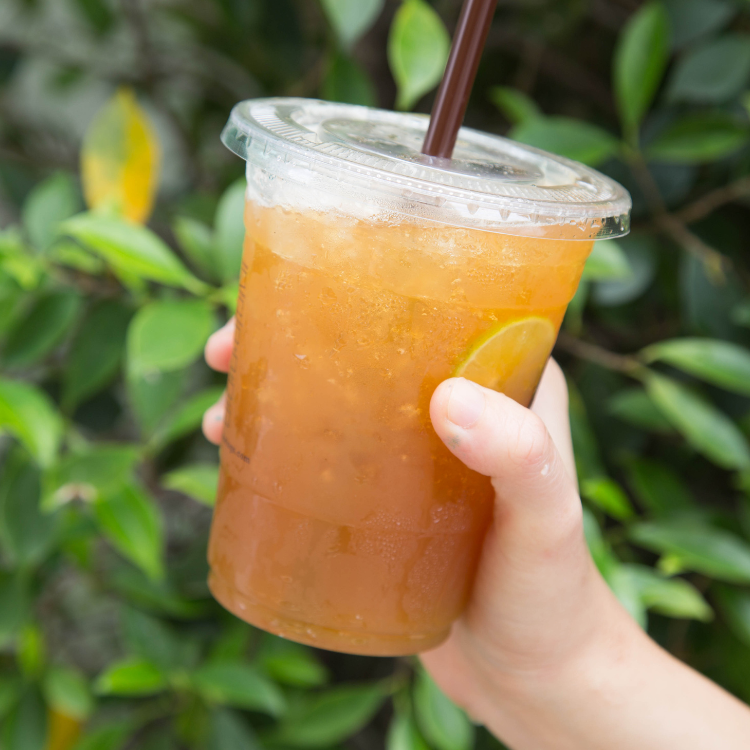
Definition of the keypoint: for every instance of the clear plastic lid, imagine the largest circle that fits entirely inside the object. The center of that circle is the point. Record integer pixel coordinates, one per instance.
(371, 158)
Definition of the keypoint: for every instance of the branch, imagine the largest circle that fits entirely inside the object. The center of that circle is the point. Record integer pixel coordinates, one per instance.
(623, 363)
(714, 262)
(705, 205)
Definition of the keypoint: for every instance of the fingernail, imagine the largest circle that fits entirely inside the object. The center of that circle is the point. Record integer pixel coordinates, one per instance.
(465, 403)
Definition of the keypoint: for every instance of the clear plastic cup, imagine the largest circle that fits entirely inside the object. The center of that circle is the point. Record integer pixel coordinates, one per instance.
(370, 274)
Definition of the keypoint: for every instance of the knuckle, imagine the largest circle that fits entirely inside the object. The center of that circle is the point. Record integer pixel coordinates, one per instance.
(532, 444)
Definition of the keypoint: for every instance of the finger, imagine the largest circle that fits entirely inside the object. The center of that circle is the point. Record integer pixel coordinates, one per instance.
(213, 420)
(551, 405)
(219, 347)
(537, 507)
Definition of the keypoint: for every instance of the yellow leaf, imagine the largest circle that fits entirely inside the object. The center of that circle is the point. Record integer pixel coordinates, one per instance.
(63, 731)
(120, 159)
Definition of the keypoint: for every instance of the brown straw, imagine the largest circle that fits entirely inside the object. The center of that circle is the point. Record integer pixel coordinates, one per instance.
(460, 71)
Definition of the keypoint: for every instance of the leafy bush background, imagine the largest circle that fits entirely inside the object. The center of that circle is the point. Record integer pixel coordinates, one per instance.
(108, 637)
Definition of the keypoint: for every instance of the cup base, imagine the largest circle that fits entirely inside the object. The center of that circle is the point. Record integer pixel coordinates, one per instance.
(344, 641)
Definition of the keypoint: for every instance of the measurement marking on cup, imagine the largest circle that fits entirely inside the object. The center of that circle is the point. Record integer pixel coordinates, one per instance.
(243, 457)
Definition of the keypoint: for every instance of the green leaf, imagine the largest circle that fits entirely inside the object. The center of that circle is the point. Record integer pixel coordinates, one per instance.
(67, 252)
(735, 608)
(45, 325)
(96, 352)
(90, 474)
(187, 417)
(29, 414)
(673, 597)
(26, 726)
(328, 717)
(229, 731)
(706, 428)
(229, 230)
(565, 136)
(516, 106)
(132, 523)
(197, 242)
(699, 137)
(443, 724)
(48, 204)
(418, 47)
(609, 496)
(131, 248)
(625, 588)
(153, 396)
(640, 59)
(67, 691)
(713, 72)
(640, 251)
(27, 534)
(168, 335)
(634, 406)
(239, 685)
(585, 445)
(607, 262)
(719, 362)
(403, 734)
(600, 550)
(659, 489)
(10, 691)
(131, 677)
(292, 664)
(346, 81)
(31, 651)
(351, 18)
(704, 549)
(150, 639)
(691, 19)
(109, 737)
(199, 481)
(15, 601)
(100, 17)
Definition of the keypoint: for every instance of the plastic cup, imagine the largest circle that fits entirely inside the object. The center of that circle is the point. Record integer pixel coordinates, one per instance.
(370, 274)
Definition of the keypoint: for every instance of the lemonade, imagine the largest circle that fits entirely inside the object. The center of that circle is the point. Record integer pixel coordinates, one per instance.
(342, 520)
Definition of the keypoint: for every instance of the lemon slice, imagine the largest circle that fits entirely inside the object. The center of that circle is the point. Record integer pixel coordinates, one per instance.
(510, 358)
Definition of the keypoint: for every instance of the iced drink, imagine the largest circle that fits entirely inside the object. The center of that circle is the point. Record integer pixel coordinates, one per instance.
(371, 274)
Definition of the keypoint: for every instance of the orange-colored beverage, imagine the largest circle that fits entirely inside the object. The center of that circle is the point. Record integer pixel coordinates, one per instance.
(342, 520)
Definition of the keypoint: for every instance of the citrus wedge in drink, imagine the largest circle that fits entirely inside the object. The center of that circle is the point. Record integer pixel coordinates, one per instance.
(510, 358)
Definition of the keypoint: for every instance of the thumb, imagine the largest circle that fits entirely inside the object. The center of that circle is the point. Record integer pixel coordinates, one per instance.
(537, 508)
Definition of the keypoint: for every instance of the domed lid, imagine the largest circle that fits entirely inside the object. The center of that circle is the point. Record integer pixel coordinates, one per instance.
(491, 182)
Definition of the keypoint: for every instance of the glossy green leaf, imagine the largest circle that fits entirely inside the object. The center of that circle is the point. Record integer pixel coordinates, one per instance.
(132, 523)
(196, 240)
(108, 737)
(131, 677)
(692, 19)
(418, 47)
(640, 60)
(99, 16)
(706, 428)
(606, 262)
(229, 731)
(150, 639)
(634, 406)
(187, 417)
(41, 329)
(699, 137)
(585, 446)
(734, 605)
(444, 725)
(719, 362)
(131, 248)
(292, 664)
(609, 496)
(67, 691)
(199, 481)
(673, 597)
(10, 692)
(328, 717)
(29, 414)
(96, 352)
(27, 534)
(346, 81)
(89, 474)
(403, 734)
(713, 72)
(699, 547)
(168, 335)
(659, 489)
(229, 230)
(15, 603)
(625, 588)
(516, 106)
(152, 397)
(565, 136)
(239, 685)
(48, 204)
(640, 252)
(26, 726)
(351, 18)
(31, 651)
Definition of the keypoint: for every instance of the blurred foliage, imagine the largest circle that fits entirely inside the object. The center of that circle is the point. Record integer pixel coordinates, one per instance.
(119, 253)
